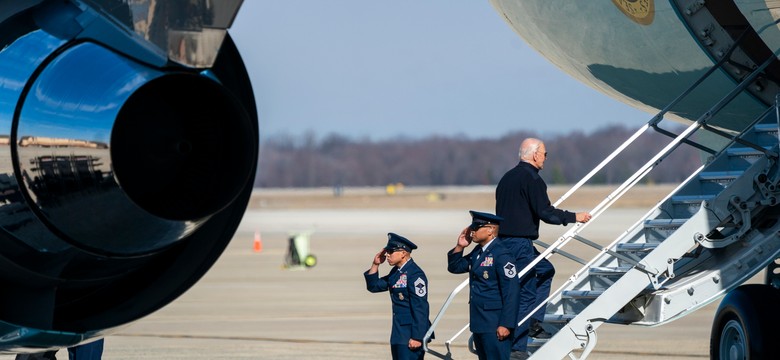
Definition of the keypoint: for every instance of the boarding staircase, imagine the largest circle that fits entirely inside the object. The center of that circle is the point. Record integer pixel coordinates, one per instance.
(712, 233)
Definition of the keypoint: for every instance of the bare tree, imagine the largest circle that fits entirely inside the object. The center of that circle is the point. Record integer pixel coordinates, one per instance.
(336, 160)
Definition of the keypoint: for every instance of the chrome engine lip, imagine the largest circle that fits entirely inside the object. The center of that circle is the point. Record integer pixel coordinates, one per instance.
(87, 293)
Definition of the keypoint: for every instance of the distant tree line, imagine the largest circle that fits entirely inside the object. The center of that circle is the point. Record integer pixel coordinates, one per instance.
(335, 160)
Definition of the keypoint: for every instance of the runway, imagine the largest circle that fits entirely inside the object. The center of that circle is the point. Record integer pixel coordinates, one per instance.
(250, 307)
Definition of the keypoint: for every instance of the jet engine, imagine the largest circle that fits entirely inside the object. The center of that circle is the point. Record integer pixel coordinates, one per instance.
(128, 147)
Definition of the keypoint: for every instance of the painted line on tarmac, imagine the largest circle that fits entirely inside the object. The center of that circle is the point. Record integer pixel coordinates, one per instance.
(382, 343)
(251, 338)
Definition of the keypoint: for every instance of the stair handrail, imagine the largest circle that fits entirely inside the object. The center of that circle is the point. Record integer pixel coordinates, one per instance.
(441, 313)
(617, 240)
(700, 122)
(653, 122)
(610, 199)
(556, 245)
(777, 114)
(644, 217)
(628, 184)
(643, 171)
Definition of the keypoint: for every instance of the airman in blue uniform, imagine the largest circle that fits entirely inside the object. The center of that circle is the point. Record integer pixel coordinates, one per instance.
(408, 289)
(493, 286)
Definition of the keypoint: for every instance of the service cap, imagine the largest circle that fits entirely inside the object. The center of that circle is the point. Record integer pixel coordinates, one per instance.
(398, 242)
(480, 219)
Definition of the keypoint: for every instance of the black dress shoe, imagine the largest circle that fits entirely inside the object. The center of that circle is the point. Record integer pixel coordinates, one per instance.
(537, 331)
(518, 355)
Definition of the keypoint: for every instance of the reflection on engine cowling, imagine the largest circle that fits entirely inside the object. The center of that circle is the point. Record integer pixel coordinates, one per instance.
(125, 166)
(50, 177)
(175, 156)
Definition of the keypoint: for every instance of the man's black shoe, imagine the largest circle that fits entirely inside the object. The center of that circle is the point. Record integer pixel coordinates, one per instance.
(537, 331)
(518, 355)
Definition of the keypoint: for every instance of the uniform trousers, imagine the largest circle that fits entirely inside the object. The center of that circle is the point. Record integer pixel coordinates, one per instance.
(534, 286)
(91, 351)
(403, 352)
(490, 348)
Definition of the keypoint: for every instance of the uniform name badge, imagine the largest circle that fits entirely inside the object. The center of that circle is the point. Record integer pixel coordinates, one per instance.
(485, 275)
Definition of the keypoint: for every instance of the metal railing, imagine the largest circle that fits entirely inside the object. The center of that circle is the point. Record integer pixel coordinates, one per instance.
(573, 233)
(638, 175)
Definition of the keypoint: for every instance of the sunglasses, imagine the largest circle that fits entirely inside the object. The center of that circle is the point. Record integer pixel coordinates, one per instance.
(388, 252)
(475, 227)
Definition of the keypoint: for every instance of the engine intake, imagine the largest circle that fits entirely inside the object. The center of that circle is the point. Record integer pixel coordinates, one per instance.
(122, 180)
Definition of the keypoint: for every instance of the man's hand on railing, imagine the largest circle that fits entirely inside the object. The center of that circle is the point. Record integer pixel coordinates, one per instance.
(583, 217)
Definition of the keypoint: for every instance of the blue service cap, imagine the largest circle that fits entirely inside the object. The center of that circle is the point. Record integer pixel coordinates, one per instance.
(398, 242)
(480, 219)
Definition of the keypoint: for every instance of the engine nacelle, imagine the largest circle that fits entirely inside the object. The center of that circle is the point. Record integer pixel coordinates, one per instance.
(128, 149)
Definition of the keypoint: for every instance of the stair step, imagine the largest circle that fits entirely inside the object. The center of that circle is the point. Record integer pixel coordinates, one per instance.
(534, 344)
(765, 127)
(745, 151)
(658, 230)
(748, 154)
(764, 134)
(742, 157)
(639, 250)
(601, 278)
(581, 294)
(575, 301)
(685, 206)
(558, 318)
(664, 223)
(692, 199)
(636, 247)
(719, 175)
(608, 271)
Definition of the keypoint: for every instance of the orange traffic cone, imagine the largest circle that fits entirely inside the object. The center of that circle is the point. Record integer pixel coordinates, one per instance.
(258, 244)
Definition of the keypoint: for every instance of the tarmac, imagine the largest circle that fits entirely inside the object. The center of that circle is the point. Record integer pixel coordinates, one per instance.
(251, 306)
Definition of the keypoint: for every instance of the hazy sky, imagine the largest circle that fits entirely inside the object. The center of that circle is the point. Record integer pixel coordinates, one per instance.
(416, 68)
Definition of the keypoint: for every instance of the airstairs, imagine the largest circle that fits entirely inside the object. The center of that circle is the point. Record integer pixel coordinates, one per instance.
(713, 232)
(710, 235)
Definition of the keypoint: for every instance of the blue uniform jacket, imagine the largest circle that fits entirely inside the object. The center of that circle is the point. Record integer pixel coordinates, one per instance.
(409, 294)
(493, 285)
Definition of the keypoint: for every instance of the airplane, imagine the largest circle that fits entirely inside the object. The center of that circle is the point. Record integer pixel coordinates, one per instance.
(712, 66)
(129, 146)
(104, 222)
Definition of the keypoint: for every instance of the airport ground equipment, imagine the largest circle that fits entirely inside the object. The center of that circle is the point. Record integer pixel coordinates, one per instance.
(712, 233)
(128, 148)
(299, 254)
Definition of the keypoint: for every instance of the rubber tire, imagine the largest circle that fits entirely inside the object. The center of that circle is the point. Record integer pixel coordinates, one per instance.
(749, 317)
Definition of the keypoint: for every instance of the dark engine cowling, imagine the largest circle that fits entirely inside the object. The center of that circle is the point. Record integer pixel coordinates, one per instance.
(127, 156)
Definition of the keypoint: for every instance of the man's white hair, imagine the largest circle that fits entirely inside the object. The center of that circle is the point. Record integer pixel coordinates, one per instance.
(528, 147)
